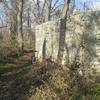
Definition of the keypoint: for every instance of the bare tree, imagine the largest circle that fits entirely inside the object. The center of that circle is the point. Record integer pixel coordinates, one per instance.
(46, 10)
(21, 24)
(14, 22)
(63, 28)
(31, 37)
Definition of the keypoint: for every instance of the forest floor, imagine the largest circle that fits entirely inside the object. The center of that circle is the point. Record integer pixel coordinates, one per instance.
(14, 81)
(19, 79)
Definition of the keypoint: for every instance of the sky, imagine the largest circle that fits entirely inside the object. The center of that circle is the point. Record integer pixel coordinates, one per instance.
(93, 4)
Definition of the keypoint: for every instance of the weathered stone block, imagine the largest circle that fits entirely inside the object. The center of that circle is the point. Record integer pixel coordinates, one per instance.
(82, 34)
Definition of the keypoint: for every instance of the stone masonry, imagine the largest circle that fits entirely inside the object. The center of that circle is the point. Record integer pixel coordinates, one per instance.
(82, 37)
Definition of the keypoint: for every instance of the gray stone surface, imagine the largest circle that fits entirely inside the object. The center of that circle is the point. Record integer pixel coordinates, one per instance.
(48, 31)
(82, 28)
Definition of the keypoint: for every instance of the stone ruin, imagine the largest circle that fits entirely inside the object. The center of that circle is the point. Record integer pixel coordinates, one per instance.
(48, 34)
(81, 28)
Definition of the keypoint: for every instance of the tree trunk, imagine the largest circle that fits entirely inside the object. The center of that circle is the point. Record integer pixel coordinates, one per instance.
(63, 30)
(48, 10)
(29, 30)
(14, 24)
(21, 26)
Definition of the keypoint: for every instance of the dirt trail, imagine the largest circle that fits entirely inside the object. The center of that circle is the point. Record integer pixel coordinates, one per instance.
(26, 57)
(14, 84)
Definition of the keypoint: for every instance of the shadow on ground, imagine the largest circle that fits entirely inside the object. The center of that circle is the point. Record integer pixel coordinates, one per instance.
(14, 82)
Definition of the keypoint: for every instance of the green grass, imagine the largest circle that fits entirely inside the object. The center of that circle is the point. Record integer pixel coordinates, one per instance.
(7, 69)
(7, 65)
(95, 95)
(7, 74)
